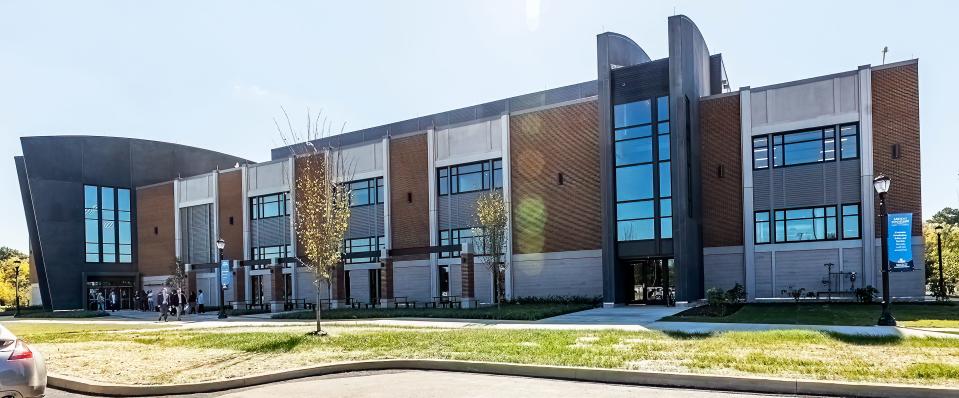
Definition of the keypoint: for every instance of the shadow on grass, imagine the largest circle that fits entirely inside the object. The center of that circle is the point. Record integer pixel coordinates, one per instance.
(687, 335)
(280, 345)
(863, 340)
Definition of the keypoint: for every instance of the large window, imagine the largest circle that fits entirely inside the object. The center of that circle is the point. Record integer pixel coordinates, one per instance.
(459, 236)
(813, 223)
(850, 221)
(366, 192)
(359, 245)
(107, 219)
(470, 177)
(270, 252)
(807, 146)
(643, 173)
(267, 206)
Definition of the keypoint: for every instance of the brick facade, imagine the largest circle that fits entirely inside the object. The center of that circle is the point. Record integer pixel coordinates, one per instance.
(409, 194)
(230, 199)
(156, 249)
(895, 121)
(550, 215)
(720, 124)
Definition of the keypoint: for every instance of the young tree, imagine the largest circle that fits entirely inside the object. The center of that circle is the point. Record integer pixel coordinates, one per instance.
(322, 206)
(492, 218)
(178, 277)
(10, 279)
(950, 257)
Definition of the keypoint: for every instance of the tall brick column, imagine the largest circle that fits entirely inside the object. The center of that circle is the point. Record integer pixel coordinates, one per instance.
(278, 288)
(239, 284)
(339, 286)
(386, 282)
(467, 267)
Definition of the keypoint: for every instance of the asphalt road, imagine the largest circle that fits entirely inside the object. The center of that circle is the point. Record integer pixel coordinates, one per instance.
(415, 383)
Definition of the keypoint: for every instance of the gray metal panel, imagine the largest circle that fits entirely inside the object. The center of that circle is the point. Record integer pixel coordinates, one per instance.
(196, 233)
(801, 186)
(461, 115)
(724, 270)
(458, 211)
(273, 231)
(850, 190)
(830, 175)
(803, 269)
(365, 221)
(764, 281)
(762, 189)
(527, 101)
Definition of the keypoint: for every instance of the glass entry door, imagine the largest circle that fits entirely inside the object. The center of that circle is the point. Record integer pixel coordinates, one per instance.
(653, 281)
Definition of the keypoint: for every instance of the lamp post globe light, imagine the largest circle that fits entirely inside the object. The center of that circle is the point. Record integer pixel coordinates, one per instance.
(881, 183)
(220, 245)
(942, 283)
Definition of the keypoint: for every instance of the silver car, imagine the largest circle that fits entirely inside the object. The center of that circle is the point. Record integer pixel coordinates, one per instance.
(22, 371)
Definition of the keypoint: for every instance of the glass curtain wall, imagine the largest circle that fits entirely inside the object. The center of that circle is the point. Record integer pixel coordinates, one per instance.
(643, 170)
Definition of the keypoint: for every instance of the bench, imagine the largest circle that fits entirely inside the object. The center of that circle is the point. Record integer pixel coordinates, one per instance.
(293, 304)
(403, 301)
(446, 302)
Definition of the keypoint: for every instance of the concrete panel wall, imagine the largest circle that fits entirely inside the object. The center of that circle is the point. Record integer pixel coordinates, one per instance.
(360, 159)
(575, 273)
(764, 275)
(265, 178)
(475, 139)
(360, 285)
(198, 188)
(802, 269)
(801, 101)
(411, 279)
(723, 270)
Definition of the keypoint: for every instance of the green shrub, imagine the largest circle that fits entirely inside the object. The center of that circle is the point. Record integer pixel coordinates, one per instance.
(866, 294)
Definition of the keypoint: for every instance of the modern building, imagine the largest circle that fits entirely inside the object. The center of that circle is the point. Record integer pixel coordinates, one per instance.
(654, 177)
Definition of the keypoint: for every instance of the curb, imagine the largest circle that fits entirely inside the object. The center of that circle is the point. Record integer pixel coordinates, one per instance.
(616, 376)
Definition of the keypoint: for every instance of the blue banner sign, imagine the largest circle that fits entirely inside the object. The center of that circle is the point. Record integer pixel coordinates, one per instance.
(899, 237)
(226, 274)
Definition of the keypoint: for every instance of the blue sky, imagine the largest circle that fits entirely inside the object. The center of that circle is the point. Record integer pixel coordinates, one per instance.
(214, 74)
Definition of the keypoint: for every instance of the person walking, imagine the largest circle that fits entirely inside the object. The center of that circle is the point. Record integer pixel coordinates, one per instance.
(100, 301)
(113, 300)
(178, 301)
(192, 302)
(200, 302)
(151, 302)
(163, 300)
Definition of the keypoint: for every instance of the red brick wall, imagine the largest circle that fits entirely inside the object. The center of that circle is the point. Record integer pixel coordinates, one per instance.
(230, 193)
(895, 120)
(409, 179)
(156, 249)
(547, 216)
(719, 121)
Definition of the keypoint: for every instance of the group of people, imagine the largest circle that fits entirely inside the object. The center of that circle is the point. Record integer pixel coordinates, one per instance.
(167, 302)
(178, 303)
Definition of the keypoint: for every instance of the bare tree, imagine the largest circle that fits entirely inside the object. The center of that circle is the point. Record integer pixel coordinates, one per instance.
(492, 217)
(322, 204)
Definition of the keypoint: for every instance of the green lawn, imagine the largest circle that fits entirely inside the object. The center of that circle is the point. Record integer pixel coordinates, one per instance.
(525, 312)
(211, 354)
(62, 314)
(27, 329)
(908, 314)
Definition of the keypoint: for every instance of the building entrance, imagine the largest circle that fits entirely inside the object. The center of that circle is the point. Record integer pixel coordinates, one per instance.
(653, 281)
(112, 293)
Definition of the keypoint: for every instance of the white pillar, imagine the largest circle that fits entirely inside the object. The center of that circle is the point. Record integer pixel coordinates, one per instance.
(507, 198)
(867, 192)
(387, 223)
(749, 239)
(434, 215)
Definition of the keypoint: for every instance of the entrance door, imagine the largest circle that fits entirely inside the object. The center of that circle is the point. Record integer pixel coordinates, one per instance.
(653, 282)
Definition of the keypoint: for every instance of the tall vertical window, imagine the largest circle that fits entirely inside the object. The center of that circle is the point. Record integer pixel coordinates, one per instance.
(470, 177)
(762, 226)
(643, 173)
(107, 219)
(760, 153)
(850, 221)
(366, 192)
(849, 141)
(273, 205)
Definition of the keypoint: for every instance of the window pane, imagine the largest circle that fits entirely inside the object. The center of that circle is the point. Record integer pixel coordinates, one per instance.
(634, 182)
(797, 230)
(666, 227)
(762, 232)
(829, 145)
(665, 180)
(125, 233)
(780, 231)
(106, 198)
(123, 199)
(662, 108)
(664, 147)
(92, 230)
(93, 248)
(850, 209)
(760, 153)
(762, 216)
(635, 230)
(814, 135)
(632, 113)
(631, 210)
(799, 213)
(665, 207)
(849, 142)
(777, 155)
(89, 197)
(125, 249)
(123, 215)
(497, 178)
(635, 132)
(109, 233)
(109, 258)
(444, 185)
(93, 258)
(831, 228)
(803, 152)
(126, 258)
(470, 182)
(634, 151)
(469, 168)
(850, 227)
(663, 127)
(271, 209)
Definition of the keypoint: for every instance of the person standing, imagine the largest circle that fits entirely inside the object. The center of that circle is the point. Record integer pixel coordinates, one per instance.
(100, 301)
(163, 300)
(192, 302)
(151, 302)
(113, 300)
(178, 301)
(200, 301)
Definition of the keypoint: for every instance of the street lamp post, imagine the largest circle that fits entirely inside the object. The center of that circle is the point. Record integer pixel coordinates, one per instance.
(881, 183)
(220, 244)
(942, 282)
(16, 284)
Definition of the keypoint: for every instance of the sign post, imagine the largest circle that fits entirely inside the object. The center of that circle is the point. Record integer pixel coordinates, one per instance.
(899, 239)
